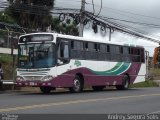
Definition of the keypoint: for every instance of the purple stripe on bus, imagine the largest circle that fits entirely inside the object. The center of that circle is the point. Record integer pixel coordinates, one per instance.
(90, 79)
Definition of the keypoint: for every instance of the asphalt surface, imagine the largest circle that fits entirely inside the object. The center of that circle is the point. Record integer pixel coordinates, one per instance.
(139, 100)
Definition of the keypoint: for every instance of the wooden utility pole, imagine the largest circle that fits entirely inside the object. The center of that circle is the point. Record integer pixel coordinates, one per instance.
(82, 18)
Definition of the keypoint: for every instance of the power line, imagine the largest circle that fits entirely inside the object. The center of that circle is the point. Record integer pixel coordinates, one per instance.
(123, 11)
(133, 22)
(100, 9)
(107, 22)
(124, 29)
(122, 14)
(135, 13)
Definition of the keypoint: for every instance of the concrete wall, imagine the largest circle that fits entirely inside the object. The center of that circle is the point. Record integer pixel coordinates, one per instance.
(8, 51)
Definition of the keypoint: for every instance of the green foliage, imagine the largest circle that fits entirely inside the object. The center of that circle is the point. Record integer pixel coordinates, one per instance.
(147, 83)
(65, 28)
(35, 16)
(3, 33)
(5, 58)
(6, 61)
(6, 18)
(155, 73)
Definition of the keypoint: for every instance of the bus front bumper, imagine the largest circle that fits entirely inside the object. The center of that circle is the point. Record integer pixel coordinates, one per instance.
(32, 83)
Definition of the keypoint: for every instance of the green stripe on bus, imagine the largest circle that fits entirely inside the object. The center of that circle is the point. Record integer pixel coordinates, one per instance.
(116, 70)
(115, 67)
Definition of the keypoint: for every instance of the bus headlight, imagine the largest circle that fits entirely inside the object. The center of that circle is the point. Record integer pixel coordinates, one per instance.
(19, 78)
(47, 78)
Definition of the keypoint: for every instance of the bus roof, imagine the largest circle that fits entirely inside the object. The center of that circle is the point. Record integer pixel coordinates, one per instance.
(82, 39)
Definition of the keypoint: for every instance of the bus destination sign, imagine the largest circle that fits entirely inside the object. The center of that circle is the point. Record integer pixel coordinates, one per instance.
(36, 38)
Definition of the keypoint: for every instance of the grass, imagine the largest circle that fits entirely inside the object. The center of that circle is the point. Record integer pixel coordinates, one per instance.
(7, 65)
(147, 83)
(155, 73)
(5, 58)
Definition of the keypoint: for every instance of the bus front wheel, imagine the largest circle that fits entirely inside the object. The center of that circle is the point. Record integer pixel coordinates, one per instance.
(125, 83)
(45, 89)
(77, 85)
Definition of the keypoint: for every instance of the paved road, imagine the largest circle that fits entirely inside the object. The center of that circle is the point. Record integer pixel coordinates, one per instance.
(140, 100)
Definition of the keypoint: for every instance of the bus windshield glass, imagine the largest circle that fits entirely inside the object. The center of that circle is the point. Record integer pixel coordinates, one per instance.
(37, 55)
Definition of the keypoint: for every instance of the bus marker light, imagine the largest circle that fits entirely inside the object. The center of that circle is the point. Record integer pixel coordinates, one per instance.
(47, 78)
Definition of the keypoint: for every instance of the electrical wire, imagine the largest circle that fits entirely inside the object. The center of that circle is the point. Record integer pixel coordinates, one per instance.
(140, 31)
(123, 11)
(108, 22)
(138, 23)
(93, 6)
(125, 29)
(133, 22)
(100, 9)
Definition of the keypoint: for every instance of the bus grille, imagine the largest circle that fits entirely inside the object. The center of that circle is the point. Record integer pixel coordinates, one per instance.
(42, 73)
(33, 78)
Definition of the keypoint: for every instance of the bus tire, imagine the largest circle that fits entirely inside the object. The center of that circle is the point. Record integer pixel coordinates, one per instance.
(45, 90)
(125, 83)
(98, 88)
(77, 85)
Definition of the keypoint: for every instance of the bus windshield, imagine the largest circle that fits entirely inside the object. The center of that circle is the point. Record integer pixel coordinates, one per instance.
(37, 55)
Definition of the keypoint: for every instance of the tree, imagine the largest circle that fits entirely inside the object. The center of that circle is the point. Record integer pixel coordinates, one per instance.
(69, 27)
(32, 14)
(6, 18)
(35, 15)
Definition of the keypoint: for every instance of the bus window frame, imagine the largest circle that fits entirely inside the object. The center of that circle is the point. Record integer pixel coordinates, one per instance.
(60, 60)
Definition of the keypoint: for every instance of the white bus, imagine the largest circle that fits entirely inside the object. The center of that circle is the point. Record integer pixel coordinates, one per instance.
(50, 61)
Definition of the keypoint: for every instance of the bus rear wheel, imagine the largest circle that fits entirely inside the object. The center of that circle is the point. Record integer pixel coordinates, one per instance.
(77, 85)
(125, 83)
(45, 89)
(98, 88)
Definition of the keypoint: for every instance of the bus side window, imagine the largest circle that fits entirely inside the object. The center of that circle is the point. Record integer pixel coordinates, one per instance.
(63, 52)
(66, 51)
(142, 56)
(86, 46)
(108, 48)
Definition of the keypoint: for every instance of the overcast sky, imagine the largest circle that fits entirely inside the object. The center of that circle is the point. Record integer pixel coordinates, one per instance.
(144, 11)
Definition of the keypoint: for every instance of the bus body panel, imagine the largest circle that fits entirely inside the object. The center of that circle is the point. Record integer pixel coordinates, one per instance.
(94, 72)
(141, 76)
(106, 74)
